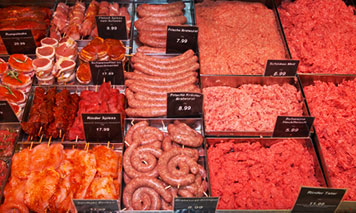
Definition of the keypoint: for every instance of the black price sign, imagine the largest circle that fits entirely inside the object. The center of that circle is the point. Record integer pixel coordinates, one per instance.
(183, 104)
(281, 68)
(112, 27)
(288, 126)
(102, 127)
(6, 113)
(318, 199)
(96, 205)
(104, 71)
(190, 205)
(18, 41)
(181, 39)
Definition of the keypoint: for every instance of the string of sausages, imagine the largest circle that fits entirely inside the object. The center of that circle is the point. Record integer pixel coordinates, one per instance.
(160, 166)
(153, 77)
(153, 21)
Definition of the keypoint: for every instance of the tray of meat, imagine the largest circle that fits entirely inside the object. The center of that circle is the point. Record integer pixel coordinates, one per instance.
(238, 37)
(77, 19)
(268, 173)
(55, 113)
(4, 172)
(331, 100)
(151, 21)
(8, 136)
(155, 76)
(321, 35)
(21, 15)
(163, 159)
(46, 177)
(249, 106)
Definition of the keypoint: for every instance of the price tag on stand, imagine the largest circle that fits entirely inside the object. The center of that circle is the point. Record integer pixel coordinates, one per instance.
(96, 206)
(102, 127)
(184, 104)
(6, 113)
(195, 205)
(281, 68)
(112, 27)
(289, 126)
(181, 39)
(318, 199)
(104, 71)
(18, 41)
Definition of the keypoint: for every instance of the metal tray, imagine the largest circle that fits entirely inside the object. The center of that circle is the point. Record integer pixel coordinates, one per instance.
(24, 138)
(306, 80)
(308, 143)
(117, 147)
(162, 124)
(270, 4)
(83, 42)
(14, 127)
(189, 13)
(51, 4)
(236, 81)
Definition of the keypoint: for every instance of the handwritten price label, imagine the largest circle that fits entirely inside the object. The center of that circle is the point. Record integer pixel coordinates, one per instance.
(184, 105)
(102, 127)
(281, 68)
(112, 27)
(18, 41)
(181, 39)
(288, 126)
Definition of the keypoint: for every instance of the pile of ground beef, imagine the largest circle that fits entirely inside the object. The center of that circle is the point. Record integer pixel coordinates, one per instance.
(321, 34)
(334, 108)
(251, 175)
(237, 37)
(250, 107)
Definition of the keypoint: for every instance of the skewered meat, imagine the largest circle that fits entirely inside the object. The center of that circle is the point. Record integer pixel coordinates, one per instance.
(51, 114)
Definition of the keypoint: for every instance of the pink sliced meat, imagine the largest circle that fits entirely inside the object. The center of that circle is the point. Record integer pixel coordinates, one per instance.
(45, 52)
(49, 42)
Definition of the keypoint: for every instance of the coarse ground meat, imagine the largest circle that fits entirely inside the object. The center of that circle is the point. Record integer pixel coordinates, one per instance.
(334, 108)
(321, 34)
(237, 37)
(7, 142)
(3, 172)
(252, 175)
(250, 107)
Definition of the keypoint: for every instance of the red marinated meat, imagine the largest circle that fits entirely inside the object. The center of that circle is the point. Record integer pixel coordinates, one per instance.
(334, 108)
(106, 100)
(321, 34)
(3, 172)
(250, 107)
(7, 141)
(252, 175)
(237, 37)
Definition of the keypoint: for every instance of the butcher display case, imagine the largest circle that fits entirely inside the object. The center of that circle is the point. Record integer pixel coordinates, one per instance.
(236, 132)
(227, 91)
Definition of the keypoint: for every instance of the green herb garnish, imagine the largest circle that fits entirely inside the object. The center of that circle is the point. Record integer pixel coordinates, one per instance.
(14, 74)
